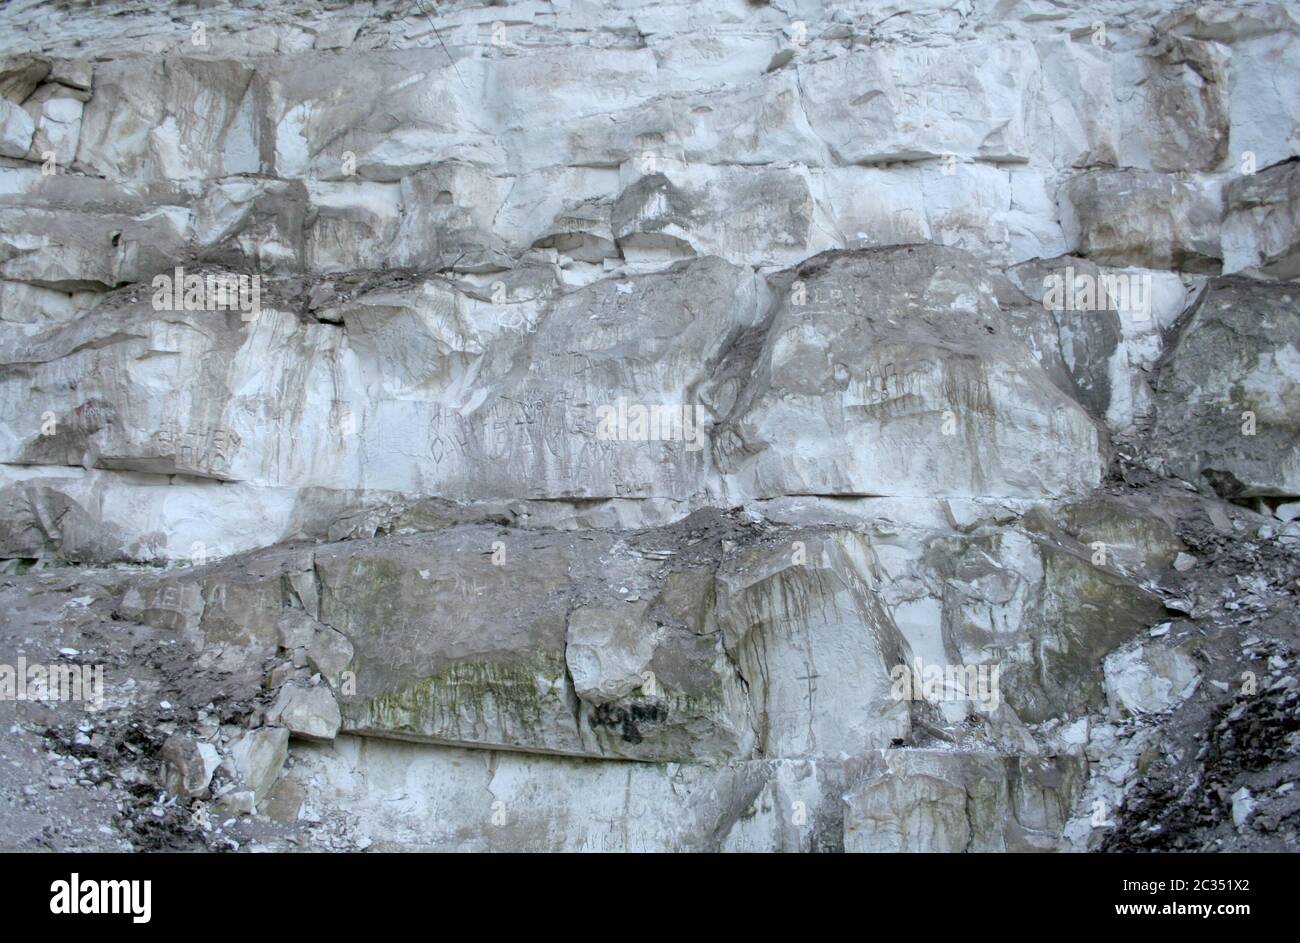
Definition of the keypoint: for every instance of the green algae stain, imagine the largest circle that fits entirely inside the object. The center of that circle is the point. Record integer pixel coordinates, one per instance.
(506, 702)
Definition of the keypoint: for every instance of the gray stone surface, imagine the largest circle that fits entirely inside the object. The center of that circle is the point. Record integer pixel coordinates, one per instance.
(649, 426)
(1228, 393)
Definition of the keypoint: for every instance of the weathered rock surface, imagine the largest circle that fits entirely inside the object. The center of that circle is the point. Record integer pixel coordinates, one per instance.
(1148, 678)
(1036, 602)
(930, 801)
(1144, 218)
(944, 402)
(1228, 393)
(1261, 232)
(257, 757)
(672, 426)
(306, 711)
(188, 766)
(1104, 331)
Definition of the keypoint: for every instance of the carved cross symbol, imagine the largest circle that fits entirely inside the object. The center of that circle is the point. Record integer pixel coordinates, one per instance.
(811, 678)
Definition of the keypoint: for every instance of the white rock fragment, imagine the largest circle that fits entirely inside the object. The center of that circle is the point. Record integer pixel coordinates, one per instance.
(1243, 804)
(309, 712)
(1147, 679)
(237, 802)
(188, 766)
(16, 130)
(256, 758)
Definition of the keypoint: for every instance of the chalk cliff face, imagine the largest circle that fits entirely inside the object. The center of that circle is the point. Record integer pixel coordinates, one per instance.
(800, 426)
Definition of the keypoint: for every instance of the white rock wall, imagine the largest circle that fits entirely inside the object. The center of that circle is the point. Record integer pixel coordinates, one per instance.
(816, 237)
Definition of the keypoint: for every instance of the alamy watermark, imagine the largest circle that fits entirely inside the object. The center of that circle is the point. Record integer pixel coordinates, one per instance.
(935, 683)
(78, 896)
(24, 682)
(1120, 291)
(215, 291)
(658, 422)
